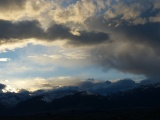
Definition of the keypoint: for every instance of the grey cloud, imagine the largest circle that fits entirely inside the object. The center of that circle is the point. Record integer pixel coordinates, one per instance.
(59, 31)
(20, 30)
(32, 29)
(12, 4)
(90, 38)
(146, 33)
(132, 59)
(134, 49)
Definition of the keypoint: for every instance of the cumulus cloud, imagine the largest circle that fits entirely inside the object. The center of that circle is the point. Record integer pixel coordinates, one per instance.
(23, 9)
(133, 12)
(76, 13)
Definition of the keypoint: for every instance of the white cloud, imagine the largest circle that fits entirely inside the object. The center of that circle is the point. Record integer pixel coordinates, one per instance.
(15, 44)
(4, 59)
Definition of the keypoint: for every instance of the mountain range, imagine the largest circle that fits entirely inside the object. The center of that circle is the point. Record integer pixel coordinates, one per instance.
(70, 100)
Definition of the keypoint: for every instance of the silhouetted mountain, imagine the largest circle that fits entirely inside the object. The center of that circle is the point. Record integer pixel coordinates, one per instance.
(145, 96)
(10, 99)
(104, 88)
(71, 101)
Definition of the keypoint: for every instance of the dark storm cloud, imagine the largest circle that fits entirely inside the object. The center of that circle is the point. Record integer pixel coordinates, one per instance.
(146, 33)
(135, 35)
(32, 29)
(130, 60)
(134, 49)
(12, 4)
(61, 32)
(20, 30)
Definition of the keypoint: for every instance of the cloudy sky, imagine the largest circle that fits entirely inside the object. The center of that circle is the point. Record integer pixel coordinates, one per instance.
(47, 43)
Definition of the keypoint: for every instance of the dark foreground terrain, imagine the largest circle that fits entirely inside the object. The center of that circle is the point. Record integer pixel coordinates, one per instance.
(134, 114)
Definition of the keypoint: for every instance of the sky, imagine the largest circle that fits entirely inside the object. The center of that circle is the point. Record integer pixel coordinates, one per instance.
(64, 42)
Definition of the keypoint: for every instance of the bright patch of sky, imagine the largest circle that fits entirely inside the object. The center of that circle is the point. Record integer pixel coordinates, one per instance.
(52, 61)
